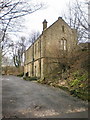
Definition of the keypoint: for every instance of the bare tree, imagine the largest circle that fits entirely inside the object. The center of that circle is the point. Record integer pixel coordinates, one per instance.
(10, 12)
(6, 45)
(7, 61)
(33, 36)
(18, 49)
(17, 52)
(77, 18)
(61, 59)
(12, 9)
(58, 58)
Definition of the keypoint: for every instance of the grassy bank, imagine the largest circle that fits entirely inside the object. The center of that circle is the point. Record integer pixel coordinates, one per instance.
(76, 83)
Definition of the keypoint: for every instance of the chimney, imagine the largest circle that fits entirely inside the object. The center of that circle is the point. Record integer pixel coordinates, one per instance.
(59, 18)
(44, 24)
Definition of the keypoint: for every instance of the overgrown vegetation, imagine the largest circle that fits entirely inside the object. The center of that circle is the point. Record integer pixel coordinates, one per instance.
(11, 70)
(30, 78)
(79, 85)
(74, 80)
(21, 75)
(76, 84)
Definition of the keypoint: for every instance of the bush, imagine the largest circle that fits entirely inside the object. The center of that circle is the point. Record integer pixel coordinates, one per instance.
(21, 75)
(30, 78)
(79, 85)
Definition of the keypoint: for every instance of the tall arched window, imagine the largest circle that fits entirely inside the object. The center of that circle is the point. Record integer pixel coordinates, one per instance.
(63, 45)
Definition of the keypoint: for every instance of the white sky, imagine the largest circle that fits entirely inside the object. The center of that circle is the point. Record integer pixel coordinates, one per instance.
(51, 13)
(54, 9)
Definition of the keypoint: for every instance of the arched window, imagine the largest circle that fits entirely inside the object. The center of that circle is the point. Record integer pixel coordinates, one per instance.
(63, 45)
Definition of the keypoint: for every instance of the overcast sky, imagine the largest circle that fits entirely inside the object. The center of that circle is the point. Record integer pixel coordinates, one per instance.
(53, 10)
(51, 13)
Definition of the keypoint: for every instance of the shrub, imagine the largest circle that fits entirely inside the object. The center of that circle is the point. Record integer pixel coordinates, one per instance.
(30, 78)
(79, 85)
(21, 75)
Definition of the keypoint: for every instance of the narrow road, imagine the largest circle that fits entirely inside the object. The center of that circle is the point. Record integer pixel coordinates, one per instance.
(24, 99)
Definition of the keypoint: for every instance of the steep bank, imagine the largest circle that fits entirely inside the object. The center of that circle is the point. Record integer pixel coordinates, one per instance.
(75, 79)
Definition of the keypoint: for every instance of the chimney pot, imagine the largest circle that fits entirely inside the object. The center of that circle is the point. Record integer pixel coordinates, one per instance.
(44, 24)
(59, 18)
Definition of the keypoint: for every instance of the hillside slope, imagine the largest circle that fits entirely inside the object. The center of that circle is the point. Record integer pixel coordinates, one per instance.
(75, 79)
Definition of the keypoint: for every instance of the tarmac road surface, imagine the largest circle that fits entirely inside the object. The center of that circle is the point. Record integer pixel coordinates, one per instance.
(25, 99)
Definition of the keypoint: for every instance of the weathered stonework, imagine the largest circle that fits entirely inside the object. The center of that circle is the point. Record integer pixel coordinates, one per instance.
(56, 40)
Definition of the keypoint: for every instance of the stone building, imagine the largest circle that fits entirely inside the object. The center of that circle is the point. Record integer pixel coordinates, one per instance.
(56, 40)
